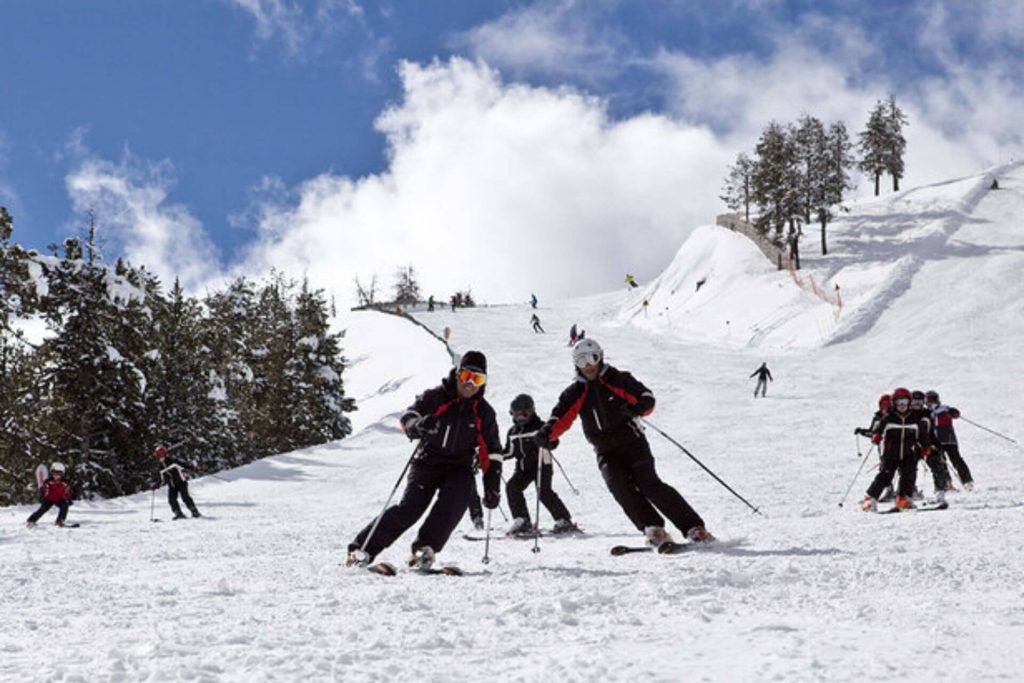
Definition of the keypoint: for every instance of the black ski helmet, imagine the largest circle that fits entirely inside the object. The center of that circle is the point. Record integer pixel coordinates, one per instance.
(522, 402)
(932, 396)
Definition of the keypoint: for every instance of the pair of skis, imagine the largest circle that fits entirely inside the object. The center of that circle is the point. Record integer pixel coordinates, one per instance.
(388, 569)
(928, 507)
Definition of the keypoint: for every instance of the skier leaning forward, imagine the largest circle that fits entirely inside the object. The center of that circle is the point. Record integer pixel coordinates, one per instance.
(903, 436)
(609, 402)
(453, 422)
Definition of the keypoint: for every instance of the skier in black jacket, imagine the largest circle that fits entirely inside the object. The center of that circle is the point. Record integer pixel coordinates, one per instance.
(945, 436)
(175, 473)
(903, 437)
(609, 402)
(935, 460)
(454, 423)
(764, 375)
(521, 445)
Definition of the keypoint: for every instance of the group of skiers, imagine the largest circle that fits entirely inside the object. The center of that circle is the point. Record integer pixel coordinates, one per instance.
(56, 490)
(452, 423)
(908, 427)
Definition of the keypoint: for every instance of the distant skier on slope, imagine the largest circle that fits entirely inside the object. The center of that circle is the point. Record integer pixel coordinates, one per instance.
(55, 491)
(946, 436)
(174, 472)
(631, 281)
(520, 445)
(535, 322)
(573, 336)
(764, 375)
(453, 422)
(533, 300)
(902, 437)
(609, 402)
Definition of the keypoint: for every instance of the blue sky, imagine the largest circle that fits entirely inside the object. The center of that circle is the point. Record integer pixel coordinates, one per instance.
(339, 138)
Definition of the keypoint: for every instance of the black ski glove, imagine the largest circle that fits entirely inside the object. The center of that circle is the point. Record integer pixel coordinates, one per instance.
(492, 485)
(423, 426)
(543, 438)
(629, 410)
(492, 498)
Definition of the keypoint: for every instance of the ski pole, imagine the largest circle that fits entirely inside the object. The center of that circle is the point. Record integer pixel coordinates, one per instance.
(575, 491)
(536, 515)
(990, 431)
(401, 476)
(487, 540)
(863, 460)
(152, 506)
(702, 465)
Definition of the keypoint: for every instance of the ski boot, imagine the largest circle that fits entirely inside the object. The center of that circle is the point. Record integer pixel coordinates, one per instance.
(179, 515)
(699, 534)
(869, 504)
(520, 527)
(564, 526)
(30, 525)
(904, 503)
(195, 514)
(940, 497)
(358, 558)
(422, 558)
(656, 535)
(968, 486)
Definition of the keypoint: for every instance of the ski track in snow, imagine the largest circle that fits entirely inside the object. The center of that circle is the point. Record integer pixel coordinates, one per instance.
(808, 592)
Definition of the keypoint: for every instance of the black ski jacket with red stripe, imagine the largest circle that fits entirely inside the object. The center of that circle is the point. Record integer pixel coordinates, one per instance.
(465, 426)
(600, 406)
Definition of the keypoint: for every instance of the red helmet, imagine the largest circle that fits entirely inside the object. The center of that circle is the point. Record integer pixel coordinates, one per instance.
(160, 452)
(885, 401)
(900, 393)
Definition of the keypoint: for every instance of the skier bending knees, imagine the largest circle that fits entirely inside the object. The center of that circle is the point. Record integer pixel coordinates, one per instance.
(609, 402)
(453, 421)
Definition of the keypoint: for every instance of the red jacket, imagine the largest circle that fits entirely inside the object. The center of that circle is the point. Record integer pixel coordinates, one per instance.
(56, 491)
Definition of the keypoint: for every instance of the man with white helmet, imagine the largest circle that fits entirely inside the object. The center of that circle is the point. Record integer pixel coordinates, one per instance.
(609, 403)
(55, 491)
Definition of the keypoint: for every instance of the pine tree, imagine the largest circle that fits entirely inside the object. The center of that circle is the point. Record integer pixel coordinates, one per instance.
(775, 181)
(407, 286)
(837, 160)
(896, 144)
(874, 145)
(737, 193)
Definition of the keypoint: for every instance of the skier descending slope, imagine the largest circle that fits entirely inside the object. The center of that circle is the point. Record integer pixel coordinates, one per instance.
(609, 402)
(452, 421)
(55, 491)
(936, 462)
(943, 416)
(902, 436)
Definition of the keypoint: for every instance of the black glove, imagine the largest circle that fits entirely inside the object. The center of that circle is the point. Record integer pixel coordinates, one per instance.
(629, 410)
(423, 426)
(491, 498)
(860, 431)
(543, 437)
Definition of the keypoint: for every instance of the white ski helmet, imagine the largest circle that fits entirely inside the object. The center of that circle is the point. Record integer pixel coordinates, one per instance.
(587, 352)
(58, 467)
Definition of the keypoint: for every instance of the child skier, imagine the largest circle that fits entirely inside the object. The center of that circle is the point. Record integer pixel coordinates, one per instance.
(609, 402)
(946, 437)
(55, 491)
(936, 461)
(520, 445)
(453, 422)
(175, 474)
(902, 437)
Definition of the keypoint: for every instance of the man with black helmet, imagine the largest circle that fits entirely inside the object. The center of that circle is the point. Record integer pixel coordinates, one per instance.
(454, 423)
(609, 403)
(521, 445)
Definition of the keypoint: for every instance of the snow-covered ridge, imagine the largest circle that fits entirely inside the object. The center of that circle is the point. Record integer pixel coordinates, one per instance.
(876, 251)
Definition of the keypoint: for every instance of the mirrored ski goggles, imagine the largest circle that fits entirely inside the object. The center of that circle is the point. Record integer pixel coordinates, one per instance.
(477, 378)
(586, 359)
(902, 402)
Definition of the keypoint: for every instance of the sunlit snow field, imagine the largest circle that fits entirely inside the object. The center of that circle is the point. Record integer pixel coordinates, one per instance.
(808, 591)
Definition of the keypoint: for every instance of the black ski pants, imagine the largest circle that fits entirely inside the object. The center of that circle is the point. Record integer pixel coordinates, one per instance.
(890, 463)
(952, 451)
(523, 478)
(453, 485)
(940, 473)
(762, 386)
(180, 489)
(476, 508)
(62, 513)
(629, 473)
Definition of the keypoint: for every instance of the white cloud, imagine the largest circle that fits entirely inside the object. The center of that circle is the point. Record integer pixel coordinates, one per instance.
(559, 37)
(295, 25)
(502, 187)
(130, 201)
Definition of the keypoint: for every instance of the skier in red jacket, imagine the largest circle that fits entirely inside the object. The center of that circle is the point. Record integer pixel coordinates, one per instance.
(55, 491)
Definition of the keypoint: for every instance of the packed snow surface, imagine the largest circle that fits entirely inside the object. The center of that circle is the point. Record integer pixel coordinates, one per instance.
(808, 591)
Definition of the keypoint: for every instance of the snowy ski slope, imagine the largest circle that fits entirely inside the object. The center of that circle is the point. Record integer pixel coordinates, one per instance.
(810, 591)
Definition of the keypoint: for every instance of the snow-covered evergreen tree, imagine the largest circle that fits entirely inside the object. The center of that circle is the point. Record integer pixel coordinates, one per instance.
(895, 121)
(882, 145)
(776, 181)
(737, 193)
(407, 286)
